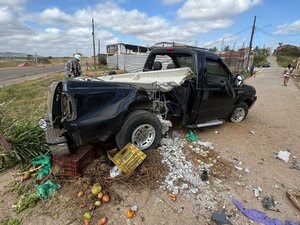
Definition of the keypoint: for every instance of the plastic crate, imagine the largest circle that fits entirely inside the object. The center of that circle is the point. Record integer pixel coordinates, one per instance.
(72, 165)
(128, 159)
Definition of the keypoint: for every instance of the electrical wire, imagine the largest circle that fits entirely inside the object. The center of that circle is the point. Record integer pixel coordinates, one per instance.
(277, 38)
(229, 37)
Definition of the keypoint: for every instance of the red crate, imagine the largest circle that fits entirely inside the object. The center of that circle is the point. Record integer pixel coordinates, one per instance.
(72, 165)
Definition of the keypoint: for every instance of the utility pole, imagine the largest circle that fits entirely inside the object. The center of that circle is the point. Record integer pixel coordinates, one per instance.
(35, 59)
(251, 39)
(93, 33)
(99, 52)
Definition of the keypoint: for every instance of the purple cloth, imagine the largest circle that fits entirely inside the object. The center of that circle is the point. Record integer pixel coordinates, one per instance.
(260, 216)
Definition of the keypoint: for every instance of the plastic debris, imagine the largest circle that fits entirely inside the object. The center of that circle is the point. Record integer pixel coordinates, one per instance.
(45, 190)
(204, 176)
(259, 216)
(115, 171)
(220, 218)
(191, 136)
(45, 161)
(257, 191)
(43, 124)
(269, 203)
(295, 165)
(284, 155)
(206, 144)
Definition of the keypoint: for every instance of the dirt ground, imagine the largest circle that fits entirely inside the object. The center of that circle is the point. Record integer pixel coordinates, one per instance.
(244, 158)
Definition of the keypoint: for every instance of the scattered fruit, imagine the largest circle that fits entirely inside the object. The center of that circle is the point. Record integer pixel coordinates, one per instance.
(86, 222)
(172, 196)
(87, 216)
(81, 206)
(26, 175)
(80, 194)
(100, 195)
(102, 221)
(130, 214)
(105, 198)
(97, 203)
(96, 189)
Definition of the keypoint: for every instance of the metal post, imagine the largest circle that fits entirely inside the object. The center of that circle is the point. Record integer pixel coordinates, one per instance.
(93, 33)
(35, 58)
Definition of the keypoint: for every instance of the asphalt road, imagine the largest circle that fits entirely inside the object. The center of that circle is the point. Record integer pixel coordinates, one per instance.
(11, 75)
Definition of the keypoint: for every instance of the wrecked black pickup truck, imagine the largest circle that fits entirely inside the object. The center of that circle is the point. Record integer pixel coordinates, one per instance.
(189, 85)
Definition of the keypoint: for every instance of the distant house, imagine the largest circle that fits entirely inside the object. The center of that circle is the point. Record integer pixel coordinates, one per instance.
(121, 48)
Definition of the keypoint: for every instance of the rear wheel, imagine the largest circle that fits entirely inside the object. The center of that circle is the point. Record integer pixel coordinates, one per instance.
(141, 128)
(239, 113)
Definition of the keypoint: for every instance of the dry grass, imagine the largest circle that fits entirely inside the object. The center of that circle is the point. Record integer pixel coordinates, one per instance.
(149, 174)
(26, 100)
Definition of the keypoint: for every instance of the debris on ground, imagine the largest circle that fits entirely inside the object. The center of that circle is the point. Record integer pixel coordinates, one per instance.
(293, 197)
(191, 136)
(259, 216)
(269, 203)
(26, 201)
(257, 191)
(128, 158)
(284, 155)
(220, 218)
(295, 165)
(46, 189)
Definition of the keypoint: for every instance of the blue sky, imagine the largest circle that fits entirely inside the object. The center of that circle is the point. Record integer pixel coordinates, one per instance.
(59, 27)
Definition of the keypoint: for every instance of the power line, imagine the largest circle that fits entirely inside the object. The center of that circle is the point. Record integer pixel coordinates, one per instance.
(228, 37)
(273, 36)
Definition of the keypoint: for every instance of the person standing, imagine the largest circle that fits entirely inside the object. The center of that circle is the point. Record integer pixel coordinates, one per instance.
(73, 67)
(251, 70)
(287, 74)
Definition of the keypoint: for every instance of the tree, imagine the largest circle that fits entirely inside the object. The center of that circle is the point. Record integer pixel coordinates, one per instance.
(226, 48)
(29, 57)
(214, 49)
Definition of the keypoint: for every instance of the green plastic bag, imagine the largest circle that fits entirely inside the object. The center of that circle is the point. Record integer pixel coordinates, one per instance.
(191, 136)
(45, 190)
(45, 161)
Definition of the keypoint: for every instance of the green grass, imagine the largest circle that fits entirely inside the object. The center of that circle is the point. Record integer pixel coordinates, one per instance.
(21, 108)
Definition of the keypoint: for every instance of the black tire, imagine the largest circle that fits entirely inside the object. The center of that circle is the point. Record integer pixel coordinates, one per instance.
(140, 125)
(239, 113)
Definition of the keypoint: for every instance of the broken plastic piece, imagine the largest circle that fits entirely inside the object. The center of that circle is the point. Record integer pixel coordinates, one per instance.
(220, 218)
(284, 155)
(191, 136)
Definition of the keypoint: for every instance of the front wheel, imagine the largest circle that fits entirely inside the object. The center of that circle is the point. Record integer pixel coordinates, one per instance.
(239, 113)
(141, 128)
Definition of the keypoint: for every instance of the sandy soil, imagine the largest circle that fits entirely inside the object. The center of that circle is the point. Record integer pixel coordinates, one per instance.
(272, 125)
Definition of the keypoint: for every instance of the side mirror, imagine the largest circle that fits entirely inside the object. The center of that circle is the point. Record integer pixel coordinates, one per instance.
(239, 80)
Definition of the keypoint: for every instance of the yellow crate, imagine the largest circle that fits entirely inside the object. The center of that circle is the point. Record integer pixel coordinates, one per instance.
(129, 158)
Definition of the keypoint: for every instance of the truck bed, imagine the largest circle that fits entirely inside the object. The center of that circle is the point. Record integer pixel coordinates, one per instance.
(162, 80)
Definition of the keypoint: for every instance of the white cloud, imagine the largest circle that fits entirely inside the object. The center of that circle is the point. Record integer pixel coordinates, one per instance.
(53, 16)
(16, 5)
(170, 2)
(56, 32)
(212, 10)
(288, 28)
